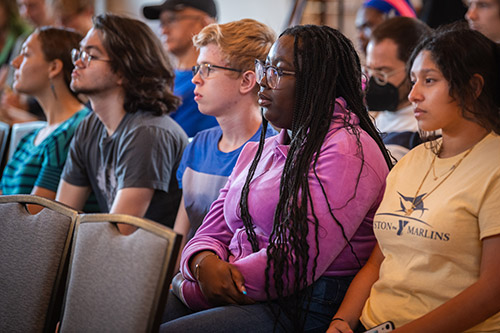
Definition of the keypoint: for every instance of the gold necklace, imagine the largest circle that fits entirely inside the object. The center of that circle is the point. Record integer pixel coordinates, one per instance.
(444, 173)
(415, 203)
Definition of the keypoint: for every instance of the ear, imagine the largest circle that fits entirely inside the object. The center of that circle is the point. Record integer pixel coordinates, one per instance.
(55, 68)
(477, 84)
(248, 81)
(119, 80)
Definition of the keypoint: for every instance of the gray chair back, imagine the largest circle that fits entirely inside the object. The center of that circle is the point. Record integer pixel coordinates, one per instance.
(118, 283)
(19, 131)
(33, 256)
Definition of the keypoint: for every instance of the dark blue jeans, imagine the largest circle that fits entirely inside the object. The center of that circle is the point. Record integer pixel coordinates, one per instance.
(326, 295)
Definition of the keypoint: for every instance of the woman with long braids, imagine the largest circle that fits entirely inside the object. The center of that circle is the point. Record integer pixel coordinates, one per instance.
(293, 224)
(435, 267)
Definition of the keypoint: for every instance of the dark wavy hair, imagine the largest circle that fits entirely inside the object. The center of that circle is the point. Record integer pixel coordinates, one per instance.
(57, 43)
(327, 67)
(460, 53)
(137, 55)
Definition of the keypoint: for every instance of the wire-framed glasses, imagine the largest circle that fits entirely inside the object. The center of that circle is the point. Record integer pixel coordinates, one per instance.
(380, 76)
(84, 57)
(205, 69)
(272, 74)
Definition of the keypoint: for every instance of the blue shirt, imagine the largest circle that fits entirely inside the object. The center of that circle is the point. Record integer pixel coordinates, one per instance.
(204, 170)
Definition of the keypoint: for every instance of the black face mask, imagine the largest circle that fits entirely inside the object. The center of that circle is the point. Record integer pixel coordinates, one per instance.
(381, 98)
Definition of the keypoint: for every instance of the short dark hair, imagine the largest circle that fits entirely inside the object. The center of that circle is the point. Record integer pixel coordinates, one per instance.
(460, 53)
(406, 32)
(137, 54)
(57, 43)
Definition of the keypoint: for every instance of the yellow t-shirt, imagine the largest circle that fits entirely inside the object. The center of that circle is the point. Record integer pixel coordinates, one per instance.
(434, 253)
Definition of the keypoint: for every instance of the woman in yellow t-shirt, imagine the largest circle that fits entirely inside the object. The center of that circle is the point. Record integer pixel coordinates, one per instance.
(435, 267)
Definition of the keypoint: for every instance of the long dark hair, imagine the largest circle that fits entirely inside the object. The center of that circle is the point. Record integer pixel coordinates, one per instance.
(137, 54)
(327, 67)
(459, 53)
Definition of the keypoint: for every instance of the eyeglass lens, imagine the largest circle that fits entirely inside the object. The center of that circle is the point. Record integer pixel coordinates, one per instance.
(204, 70)
(77, 55)
(271, 74)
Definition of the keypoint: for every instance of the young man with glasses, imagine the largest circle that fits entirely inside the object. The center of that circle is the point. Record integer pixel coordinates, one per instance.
(226, 88)
(180, 20)
(390, 46)
(128, 149)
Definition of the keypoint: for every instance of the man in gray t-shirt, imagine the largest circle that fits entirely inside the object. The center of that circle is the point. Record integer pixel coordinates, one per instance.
(127, 152)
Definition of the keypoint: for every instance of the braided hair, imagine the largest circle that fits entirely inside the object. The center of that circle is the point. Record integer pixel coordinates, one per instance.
(326, 67)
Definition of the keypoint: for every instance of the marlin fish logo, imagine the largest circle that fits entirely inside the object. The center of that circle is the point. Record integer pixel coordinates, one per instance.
(408, 201)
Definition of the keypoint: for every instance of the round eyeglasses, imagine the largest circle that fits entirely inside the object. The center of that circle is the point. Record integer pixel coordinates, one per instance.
(380, 76)
(273, 74)
(84, 57)
(204, 69)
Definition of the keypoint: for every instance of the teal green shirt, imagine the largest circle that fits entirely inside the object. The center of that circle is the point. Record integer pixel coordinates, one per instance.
(40, 165)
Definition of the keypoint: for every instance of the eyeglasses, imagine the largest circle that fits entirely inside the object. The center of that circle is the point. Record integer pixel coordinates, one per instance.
(205, 69)
(168, 20)
(380, 76)
(272, 74)
(84, 57)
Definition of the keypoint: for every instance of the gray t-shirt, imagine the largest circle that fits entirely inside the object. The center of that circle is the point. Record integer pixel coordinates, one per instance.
(144, 151)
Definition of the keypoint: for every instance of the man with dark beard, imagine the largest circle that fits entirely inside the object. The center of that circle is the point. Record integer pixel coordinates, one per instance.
(127, 151)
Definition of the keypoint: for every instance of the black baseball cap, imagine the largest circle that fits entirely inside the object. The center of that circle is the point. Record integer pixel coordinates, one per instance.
(153, 12)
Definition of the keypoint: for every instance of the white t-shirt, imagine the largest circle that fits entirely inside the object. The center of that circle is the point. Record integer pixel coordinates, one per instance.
(434, 253)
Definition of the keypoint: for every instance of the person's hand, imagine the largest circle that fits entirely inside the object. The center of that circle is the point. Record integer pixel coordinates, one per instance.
(221, 283)
(337, 326)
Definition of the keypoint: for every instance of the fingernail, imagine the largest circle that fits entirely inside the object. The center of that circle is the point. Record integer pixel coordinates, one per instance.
(244, 292)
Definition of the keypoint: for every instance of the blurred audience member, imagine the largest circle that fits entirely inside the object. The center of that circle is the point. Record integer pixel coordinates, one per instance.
(36, 12)
(74, 14)
(17, 107)
(374, 12)
(128, 149)
(390, 46)
(484, 16)
(43, 70)
(180, 20)
(13, 31)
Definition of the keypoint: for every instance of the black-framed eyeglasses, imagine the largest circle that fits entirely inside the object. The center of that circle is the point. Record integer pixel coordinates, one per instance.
(205, 69)
(84, 57)
(168, 20)
(273, 74)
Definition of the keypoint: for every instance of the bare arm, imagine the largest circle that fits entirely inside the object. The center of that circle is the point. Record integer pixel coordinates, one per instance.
(472, 306)
(41, 192)
(181, 227)
(72, 195)
(357, 294)
(132, 201)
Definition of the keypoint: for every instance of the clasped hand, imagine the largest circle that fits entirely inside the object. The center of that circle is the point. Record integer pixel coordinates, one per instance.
(222, 283)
